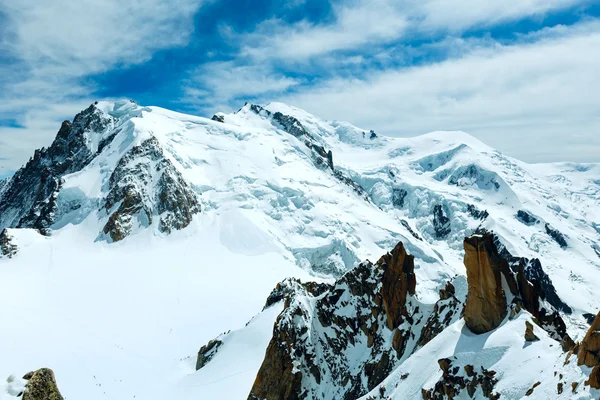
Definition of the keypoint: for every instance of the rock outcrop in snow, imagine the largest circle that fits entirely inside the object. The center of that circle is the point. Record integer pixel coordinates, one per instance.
(41, 385)
(458, 378)
(7, 247)
(29, 198)
(146, 185)
(344, 342)
(494, 289)
(589, 348)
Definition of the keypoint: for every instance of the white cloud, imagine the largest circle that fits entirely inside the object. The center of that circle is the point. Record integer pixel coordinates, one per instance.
(55, 44)
(355, 25)
(215, 84)
(360, 23)
(537, 101)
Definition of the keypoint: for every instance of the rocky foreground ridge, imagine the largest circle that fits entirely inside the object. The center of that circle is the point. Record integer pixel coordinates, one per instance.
(343, 340)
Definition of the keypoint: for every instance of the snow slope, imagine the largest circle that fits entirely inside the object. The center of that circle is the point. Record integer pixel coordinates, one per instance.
(125, 319)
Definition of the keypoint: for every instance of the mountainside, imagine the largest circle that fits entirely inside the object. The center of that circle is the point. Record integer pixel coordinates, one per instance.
(141, 234)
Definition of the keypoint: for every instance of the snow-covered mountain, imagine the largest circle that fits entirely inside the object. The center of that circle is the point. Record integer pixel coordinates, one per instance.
(141, 234)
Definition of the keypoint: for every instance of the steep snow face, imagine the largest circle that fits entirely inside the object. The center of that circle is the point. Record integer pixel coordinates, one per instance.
(204, 209)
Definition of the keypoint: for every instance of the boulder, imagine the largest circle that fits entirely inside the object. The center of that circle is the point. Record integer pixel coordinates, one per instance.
(41, 385)
(529, 335)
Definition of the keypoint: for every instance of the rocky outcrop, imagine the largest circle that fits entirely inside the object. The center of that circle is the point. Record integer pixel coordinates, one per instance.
(398, 196)
(343, 340)
(529, 335)
(218, 118)
(589, 348)
(441, 223)
(557, 236)
(588, 353)
(7, 247)
(41, 385)
(486, 304)
(456, 380)
(446, 311)
(207, 352)
(144, 185)
(535, 274)
(284, 292)
(526, 217)
(477, 213)
(28, 197)
(489, 275)
(409, 229)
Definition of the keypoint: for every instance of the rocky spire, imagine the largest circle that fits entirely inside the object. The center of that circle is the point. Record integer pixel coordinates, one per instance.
(486, 305)
(370, 311)
(489, 277)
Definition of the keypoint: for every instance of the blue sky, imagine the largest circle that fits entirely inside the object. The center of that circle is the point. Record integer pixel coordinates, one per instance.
(519, 74)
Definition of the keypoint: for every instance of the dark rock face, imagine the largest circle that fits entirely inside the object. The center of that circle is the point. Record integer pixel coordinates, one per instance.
(372, 134)
(28, 198)
(557, 236)
(207, 352)
(146, 184)
(7, 247)
(441, 223)
(445, 311)
(486, 304)
(218, 118)
(476, 213)
(456, 380)
(408, 228)
(535, 274)
(290, 287)
(526, 217)
(589, 318)
(398, 196)
(361, 311)
(41, 385)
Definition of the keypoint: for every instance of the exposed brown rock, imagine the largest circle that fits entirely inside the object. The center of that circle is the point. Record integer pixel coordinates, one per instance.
(486, 304)
(376, 300)
(276, 379)
(399, 280)
(594, 381)
(530, 391)
(41, 385)
(559, 387)
(589, 348)
(529, 335)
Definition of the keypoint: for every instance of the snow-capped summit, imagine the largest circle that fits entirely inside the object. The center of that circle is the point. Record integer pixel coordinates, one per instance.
(141, 234)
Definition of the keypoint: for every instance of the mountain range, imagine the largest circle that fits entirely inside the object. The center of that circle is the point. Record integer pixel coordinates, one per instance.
(270, 254)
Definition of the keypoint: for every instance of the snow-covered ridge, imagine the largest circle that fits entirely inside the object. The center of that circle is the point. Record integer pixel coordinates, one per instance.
(202, 208)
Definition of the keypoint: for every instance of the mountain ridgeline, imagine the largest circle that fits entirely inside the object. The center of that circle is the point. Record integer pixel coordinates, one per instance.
(484, 285)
